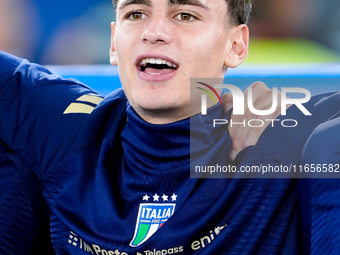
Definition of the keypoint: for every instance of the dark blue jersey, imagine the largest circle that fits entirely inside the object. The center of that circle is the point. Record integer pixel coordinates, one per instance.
(320, 196)
(114, 184)
(32, 89)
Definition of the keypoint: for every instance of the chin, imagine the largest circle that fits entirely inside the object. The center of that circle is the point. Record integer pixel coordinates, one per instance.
(161, 106)
(155, 98)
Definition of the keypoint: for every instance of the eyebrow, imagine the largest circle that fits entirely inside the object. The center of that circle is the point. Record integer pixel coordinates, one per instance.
(130, 2)
(170, 3)
(187, 2)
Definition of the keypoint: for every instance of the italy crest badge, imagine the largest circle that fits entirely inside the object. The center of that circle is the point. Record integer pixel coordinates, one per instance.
(151, 217)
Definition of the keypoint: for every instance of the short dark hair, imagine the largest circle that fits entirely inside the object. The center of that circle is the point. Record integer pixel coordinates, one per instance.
(239, 10)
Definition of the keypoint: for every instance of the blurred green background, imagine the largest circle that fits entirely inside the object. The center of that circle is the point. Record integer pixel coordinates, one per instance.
(289, 50)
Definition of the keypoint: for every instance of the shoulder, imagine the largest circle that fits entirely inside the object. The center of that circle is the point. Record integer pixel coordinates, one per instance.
(18, 75)
(41, 113)
(287, 143)
(323, 143)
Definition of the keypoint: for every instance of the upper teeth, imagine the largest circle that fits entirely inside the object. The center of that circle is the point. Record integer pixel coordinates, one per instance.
(157, 61)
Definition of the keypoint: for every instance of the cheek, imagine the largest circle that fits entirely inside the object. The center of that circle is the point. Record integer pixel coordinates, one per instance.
(124, 45)
(122, 53)
(206, 53)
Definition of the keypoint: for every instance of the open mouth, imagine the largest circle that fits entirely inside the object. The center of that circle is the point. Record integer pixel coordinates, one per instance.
(156, 66)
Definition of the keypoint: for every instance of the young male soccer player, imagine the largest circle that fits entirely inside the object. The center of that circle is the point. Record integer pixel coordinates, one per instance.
(115, 173)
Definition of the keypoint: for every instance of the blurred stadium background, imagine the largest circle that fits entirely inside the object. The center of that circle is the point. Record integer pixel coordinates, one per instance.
(291, 38)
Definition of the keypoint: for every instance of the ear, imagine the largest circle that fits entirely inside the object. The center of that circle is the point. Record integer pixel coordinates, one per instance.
(237, 48)
(113, 55)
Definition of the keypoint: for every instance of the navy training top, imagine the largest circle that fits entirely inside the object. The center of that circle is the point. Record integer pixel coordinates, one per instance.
(110, 183)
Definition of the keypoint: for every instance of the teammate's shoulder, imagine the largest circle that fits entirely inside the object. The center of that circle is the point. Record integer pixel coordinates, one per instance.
(329, 102)
(324, 118)
(324, 141)
(18, 74)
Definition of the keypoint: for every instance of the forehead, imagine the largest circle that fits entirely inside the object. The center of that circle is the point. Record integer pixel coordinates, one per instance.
(200, 3)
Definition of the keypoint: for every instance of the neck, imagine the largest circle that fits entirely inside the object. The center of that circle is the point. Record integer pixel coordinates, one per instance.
(168, 115)
(164, 116)
(171, 115)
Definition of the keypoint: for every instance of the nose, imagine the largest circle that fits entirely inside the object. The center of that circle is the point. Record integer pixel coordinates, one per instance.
(158, 31)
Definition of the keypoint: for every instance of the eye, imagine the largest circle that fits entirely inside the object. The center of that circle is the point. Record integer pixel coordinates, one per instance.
(186, 17)
(135, 15)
